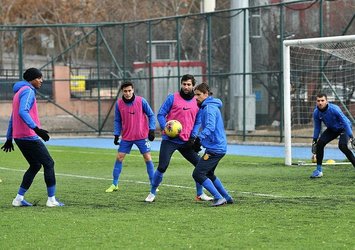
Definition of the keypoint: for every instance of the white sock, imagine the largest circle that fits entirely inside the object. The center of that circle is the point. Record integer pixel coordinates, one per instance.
(51, 198)
(19, 197)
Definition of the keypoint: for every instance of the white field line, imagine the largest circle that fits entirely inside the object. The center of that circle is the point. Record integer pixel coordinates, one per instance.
(82, 152)
(140, 182)
(112, 153)
(179, 186)
(178, 157)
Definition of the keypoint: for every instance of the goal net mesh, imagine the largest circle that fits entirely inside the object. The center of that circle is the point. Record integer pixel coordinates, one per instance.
(320, 68)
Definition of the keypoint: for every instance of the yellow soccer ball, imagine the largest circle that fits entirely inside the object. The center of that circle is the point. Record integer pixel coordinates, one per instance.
(314, 158)
(173, 128)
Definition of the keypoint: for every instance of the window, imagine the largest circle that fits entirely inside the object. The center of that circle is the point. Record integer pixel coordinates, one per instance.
(163, 50)
(255, 23)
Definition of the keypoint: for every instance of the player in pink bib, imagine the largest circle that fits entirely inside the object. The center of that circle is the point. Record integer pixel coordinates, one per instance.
(135, 123)
(24, 128)
(181, 106)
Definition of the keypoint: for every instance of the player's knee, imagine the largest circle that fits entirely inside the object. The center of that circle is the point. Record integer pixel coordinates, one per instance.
(120, 157)
(211, 176)
(34, 168)
(48, 167)
(343, 147)
(320, 144)
(161, 169)
(194, 174)
(147, 157)
(51, 163)
(198, 177)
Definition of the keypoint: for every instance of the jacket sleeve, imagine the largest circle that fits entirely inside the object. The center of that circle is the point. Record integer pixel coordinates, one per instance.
(164, 110)
(197, 125)
(344, 122)
(316, 125)
(117, 121)
(150, 114)
(27, 99)
(9, 129)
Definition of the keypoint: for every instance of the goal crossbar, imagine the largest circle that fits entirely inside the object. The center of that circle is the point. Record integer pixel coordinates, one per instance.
(287, 44)
(308, 41)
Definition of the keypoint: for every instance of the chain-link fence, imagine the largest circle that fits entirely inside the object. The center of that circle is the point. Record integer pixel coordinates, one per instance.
(238, 52)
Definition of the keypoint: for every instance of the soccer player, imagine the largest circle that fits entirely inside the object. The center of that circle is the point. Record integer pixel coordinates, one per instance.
(212, 137)
(24, 128)
(179, 106)
(337, 125)
(135, 121)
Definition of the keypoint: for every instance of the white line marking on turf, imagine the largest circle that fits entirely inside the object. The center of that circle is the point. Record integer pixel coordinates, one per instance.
(167, 185)
(98, 178)
(83, 152)
(112, 153)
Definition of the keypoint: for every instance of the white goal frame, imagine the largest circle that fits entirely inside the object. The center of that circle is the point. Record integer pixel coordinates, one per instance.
(287, 84)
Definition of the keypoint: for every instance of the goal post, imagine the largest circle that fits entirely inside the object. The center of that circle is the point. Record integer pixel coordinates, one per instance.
(312, 66)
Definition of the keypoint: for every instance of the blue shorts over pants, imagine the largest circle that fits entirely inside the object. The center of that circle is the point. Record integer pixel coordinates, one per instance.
(126, 146)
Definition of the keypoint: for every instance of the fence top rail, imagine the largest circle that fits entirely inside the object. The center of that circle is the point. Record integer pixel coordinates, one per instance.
(8, 27)
(329, 39)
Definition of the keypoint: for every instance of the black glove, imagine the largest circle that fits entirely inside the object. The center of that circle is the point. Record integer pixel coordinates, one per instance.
(8, 146)
(115, 141)
(42, 133)
(197, 145)
(314, 147)
(190, 142)
(151, 135)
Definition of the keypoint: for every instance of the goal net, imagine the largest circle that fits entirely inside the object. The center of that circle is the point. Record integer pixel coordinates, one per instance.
(313, 66)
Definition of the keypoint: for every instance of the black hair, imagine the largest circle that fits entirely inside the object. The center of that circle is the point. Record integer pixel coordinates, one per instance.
(186, 77)
(320, 95)
(204, 88)
(126, 84)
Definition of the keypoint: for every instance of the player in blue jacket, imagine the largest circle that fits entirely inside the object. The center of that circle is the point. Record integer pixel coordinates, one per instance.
(337, 125)
(25, 129)
(179, 106)
(212, 137)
